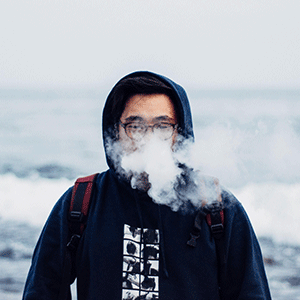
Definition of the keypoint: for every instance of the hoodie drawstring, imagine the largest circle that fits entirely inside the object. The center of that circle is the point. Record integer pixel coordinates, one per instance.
(139, 212)
(160, 228)
(162, 244)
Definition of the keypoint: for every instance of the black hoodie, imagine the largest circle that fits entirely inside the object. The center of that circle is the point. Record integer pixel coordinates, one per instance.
(133, 248)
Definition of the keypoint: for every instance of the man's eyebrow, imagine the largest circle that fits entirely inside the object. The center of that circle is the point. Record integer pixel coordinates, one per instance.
(164, 118)
(134, 118)
(156, 119)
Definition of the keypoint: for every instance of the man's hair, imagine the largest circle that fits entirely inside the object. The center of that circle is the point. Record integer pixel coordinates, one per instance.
(128, 87)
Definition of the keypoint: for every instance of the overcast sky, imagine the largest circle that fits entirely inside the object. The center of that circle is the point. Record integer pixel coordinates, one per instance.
(198, 43)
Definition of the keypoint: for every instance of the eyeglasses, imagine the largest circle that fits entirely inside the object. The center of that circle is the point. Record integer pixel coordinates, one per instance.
(136, 131)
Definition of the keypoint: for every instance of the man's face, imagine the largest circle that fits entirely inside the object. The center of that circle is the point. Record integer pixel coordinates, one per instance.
(147, 110)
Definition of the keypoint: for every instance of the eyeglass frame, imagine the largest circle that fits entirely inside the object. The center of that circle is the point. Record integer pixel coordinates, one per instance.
(124, 125)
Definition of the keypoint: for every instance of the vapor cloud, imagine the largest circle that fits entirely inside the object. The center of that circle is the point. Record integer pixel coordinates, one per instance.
(169, 177)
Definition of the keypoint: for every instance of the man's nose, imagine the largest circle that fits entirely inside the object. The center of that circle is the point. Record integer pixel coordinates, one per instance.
(148, 134)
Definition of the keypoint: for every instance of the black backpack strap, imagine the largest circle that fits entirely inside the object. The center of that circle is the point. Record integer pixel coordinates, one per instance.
(214, 215)
(77, 218)
(215, 220)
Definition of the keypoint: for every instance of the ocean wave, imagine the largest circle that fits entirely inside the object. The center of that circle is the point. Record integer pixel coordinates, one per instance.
(49, 171)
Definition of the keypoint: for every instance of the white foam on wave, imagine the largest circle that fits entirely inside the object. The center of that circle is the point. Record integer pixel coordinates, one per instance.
(272, 207)
(29, 199)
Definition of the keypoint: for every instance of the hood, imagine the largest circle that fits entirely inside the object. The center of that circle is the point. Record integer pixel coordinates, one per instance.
(180, 97)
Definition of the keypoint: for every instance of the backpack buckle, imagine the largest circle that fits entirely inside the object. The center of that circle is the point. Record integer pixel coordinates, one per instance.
(217, 229)
(73, 243)
(76, 216)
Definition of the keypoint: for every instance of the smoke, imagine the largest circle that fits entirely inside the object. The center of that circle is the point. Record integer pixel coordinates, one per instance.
(264, 150)
(168, 175)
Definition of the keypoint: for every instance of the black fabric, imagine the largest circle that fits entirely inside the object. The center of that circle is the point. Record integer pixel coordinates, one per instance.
(192, 271)
(64, 293)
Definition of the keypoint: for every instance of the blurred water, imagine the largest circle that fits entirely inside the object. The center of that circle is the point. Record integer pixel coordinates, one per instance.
(250, 140)
(44, 135)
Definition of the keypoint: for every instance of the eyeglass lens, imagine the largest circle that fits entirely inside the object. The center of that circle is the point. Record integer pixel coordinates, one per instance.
(137, 131)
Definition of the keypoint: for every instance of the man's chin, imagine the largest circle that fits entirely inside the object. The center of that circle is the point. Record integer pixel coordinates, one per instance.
(141, 182)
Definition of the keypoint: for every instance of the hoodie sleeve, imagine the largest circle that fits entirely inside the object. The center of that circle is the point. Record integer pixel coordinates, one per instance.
(243, 276)
(45, 274)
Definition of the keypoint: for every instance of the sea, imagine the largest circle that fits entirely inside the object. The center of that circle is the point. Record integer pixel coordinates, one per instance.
(249, 139)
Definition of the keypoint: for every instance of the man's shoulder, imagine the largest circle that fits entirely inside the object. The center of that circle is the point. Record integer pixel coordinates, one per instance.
(233, 208)
(230, 202)
(95, 177)
(228, 197)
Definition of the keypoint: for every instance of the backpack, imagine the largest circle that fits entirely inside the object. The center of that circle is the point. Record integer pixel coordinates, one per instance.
(82, 194)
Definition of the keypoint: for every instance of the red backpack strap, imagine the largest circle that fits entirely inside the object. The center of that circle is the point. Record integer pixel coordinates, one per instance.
(80, 202)
(79, 207)
(215, 220)
(215, 213)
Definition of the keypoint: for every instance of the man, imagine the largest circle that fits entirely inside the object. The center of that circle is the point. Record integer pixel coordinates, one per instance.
(136, 244)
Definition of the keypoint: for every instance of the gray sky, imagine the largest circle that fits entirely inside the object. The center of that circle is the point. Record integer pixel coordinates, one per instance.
(198, 43)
